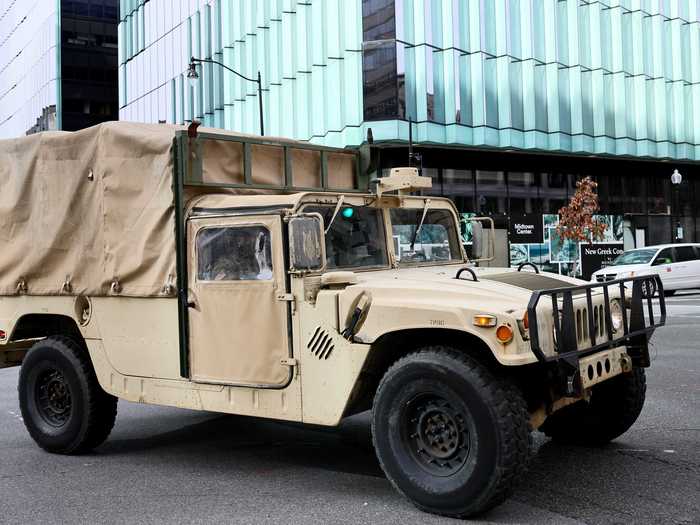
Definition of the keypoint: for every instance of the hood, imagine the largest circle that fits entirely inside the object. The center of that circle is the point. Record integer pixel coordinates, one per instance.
(509, 288)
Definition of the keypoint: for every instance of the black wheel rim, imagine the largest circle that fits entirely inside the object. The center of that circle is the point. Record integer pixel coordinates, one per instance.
(53, 397)
(436, 434)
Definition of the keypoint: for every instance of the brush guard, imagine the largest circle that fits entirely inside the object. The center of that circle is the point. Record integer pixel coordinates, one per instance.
(641, 316)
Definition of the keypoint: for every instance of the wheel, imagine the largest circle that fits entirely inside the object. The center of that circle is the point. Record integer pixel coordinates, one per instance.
(669, 293)
(450, 436)
(63, 406)
(613, 408)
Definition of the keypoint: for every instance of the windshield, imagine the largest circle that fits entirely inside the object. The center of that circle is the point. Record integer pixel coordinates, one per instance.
(435, 241)
(634, 257)
(355, 238)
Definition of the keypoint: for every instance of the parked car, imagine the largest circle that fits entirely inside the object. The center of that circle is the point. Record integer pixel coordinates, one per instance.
(678, 265)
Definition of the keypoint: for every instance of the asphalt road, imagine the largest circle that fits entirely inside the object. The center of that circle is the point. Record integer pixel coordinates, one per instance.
(165, 465)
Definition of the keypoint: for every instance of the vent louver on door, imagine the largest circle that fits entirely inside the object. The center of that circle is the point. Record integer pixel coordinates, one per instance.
(321, 344)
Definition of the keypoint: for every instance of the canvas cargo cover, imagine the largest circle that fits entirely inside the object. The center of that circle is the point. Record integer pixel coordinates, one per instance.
(92, 212)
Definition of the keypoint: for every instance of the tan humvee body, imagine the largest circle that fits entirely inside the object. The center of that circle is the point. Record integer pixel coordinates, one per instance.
(241, 362)
(272, 348)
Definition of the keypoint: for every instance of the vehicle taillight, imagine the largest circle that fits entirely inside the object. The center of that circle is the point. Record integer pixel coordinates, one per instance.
(526, 321)
(2, 335)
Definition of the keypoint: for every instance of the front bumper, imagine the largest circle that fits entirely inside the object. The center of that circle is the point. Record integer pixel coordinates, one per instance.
(644, 311)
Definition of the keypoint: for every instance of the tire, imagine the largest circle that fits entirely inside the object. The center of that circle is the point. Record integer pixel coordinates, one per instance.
(63, 406)
(438, 393)
(613, 408)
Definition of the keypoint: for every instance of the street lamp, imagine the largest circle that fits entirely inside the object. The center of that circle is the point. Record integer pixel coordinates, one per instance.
(193, 76)
(676, 179)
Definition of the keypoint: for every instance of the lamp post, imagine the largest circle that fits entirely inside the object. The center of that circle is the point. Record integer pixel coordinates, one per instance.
(676, 179)
(193, 76)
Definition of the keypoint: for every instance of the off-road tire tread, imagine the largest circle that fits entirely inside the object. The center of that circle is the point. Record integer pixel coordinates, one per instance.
(568, 425)
(101, 406)
(512, 418)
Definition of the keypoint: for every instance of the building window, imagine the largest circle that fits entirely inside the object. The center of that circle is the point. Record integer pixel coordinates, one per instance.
(523, 193)
(380, 68)
(491, 192)
(659, 194)
(458, 185)
(378, 20)
(380, 82)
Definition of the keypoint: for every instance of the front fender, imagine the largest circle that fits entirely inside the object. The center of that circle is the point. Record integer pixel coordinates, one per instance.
(389, 313)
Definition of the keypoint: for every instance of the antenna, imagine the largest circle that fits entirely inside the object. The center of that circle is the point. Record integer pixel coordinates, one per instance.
(411, 155)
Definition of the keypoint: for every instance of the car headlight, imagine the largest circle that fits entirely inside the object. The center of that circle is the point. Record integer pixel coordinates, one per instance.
(616, 313)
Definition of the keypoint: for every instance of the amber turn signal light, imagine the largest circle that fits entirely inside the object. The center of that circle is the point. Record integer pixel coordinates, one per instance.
(526, 321)
(484, 320)
(504, 334)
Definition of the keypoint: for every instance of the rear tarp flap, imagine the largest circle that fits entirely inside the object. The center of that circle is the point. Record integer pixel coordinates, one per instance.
(79, 211)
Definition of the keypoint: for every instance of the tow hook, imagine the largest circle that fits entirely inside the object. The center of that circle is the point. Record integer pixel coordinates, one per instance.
(625, 363)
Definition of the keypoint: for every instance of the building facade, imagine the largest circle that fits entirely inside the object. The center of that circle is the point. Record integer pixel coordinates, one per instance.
(58, 65)
(512, 101)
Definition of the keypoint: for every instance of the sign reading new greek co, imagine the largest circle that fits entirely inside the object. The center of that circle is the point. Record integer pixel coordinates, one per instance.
(597, 256)
(526, 229)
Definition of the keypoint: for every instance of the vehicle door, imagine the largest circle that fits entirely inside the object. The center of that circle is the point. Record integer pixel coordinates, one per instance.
(695, 265)
(686, 266)
(663, 264)
(238, 318)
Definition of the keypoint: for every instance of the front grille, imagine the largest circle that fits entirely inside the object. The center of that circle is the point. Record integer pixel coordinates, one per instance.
(583, 328)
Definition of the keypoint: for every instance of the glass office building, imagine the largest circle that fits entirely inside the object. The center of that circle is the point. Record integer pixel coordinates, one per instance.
(58, 65)
(512, 101)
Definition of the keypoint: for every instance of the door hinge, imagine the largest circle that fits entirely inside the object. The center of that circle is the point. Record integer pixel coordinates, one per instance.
(292, 363)
(288, 297)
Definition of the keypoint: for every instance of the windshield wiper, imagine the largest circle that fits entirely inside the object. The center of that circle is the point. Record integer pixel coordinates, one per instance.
(341, 199)
(422, 219)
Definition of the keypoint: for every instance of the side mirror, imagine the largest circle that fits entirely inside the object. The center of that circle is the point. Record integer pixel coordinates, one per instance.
(307, 246)
(483, 239)
(478, 244)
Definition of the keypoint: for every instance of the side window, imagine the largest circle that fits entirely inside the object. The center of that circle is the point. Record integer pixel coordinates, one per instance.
(697, 252)
(685, 253)
(665, 257)
(234, 253)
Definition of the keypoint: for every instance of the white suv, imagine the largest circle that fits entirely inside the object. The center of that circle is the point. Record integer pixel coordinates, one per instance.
(677, 264)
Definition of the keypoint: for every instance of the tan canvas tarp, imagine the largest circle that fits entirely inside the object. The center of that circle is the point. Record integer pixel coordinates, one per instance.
(79, 211)
(91, 212)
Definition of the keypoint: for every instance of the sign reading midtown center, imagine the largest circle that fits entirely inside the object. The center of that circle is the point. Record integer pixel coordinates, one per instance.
(526, 229)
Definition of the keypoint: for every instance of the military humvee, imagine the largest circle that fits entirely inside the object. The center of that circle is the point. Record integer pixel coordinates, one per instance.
(211, 271)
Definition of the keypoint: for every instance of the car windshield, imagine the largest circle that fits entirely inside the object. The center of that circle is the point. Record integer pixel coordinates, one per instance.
(356, 237)
(436, 241)
(634, 257)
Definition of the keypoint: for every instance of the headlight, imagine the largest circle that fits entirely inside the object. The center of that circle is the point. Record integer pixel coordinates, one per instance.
(616, 313)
